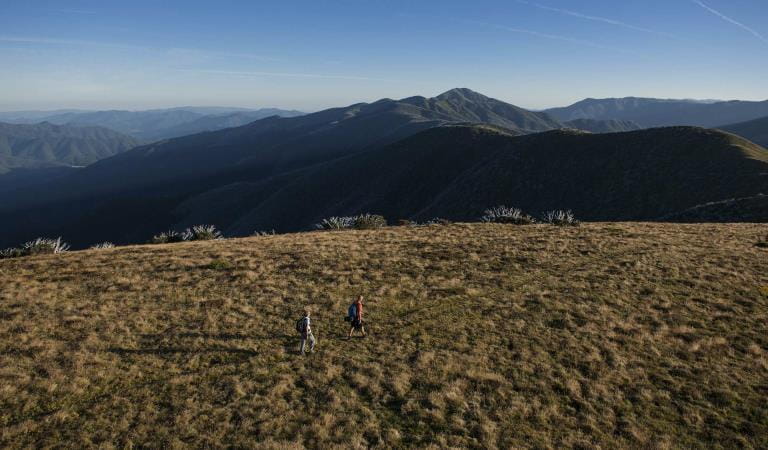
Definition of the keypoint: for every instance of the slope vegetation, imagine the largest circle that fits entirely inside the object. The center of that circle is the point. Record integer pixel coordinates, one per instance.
(481, 336)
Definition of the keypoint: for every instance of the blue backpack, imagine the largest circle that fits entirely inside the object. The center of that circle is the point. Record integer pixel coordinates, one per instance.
(352, 312)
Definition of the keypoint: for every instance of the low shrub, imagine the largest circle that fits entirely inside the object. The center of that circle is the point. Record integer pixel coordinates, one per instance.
(359, 222)
(202, 233)
(369, 222)
(335, 223)
(406, 223)
(45, 246)
(168, 237)
(762, 243)
(264, 233)
(11, 253)
(560, 218)
(503, 214)
(102, 245)
(219, 264)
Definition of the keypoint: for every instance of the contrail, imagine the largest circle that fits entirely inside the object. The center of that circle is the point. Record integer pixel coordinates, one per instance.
(728, 19)
(551, 36)
(598, 19)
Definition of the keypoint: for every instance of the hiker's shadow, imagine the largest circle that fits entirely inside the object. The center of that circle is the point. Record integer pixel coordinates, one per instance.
(172, 345)
(176, 350)
(215, 336)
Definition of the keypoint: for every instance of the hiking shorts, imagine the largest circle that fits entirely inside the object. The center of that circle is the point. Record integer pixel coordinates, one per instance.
(358, 324)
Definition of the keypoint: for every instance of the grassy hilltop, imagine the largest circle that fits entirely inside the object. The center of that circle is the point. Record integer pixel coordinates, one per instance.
(482, 335)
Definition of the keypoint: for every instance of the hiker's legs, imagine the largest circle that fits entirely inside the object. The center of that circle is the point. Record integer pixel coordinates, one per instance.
(311, 342)
(303, 344)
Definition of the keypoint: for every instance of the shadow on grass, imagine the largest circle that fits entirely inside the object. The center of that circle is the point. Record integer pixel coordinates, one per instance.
(172, 350)
(219, 336)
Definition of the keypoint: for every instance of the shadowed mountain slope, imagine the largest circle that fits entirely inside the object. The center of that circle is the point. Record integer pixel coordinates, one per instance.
(450, 171)
(651, 112)
(754, 130)
(457, 171)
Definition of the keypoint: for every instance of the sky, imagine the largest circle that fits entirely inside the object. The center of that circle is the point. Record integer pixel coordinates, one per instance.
(310, 55)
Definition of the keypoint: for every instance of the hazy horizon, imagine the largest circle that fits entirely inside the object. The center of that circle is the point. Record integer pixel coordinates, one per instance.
(256, 107)
(310, 56)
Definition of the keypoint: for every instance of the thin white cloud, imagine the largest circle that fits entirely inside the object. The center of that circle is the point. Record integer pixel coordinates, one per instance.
(285, 74)
(552, 37)
(598, 19)
(71, 11)
(732, 21)
(55, 41)
(87, 43)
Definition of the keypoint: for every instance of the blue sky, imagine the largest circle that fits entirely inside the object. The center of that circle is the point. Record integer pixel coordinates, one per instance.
(315, 54)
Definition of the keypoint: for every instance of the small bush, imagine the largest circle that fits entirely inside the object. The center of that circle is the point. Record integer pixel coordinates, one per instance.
(264, 233)
(102, 245)
(202, 233)
(45, 246)
(406, 223)
(560, 218)
(369, 222)
(503, 214)
(167, 237)
(763, 243)
(336, 223)
(11, 253)
(219, 264)
(359, 222)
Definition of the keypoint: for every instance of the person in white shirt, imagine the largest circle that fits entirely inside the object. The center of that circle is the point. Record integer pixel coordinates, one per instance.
(305, 328)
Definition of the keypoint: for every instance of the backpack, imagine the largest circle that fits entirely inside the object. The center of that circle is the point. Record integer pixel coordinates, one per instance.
(300, 325)
(352, 312)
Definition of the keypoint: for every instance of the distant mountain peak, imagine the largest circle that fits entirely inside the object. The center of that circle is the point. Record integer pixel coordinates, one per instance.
(461, 93)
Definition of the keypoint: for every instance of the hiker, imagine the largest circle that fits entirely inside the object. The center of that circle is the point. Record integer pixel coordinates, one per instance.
(304, 327)
(355, 313)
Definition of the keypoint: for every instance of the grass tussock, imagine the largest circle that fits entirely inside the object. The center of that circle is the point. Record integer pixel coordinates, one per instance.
(359, 222)
(503, 214)
(480, 336)
(560, 218)
(39, 246)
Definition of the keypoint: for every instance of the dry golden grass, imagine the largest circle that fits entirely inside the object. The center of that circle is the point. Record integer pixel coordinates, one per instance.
(482, 335)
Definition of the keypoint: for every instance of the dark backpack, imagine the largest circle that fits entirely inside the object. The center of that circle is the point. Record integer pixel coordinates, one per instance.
(352, 312)
(300, 325)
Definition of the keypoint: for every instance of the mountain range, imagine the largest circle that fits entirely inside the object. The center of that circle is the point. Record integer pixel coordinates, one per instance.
(652, 112)
(154, 124)
(451, 156)
(44, 145)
